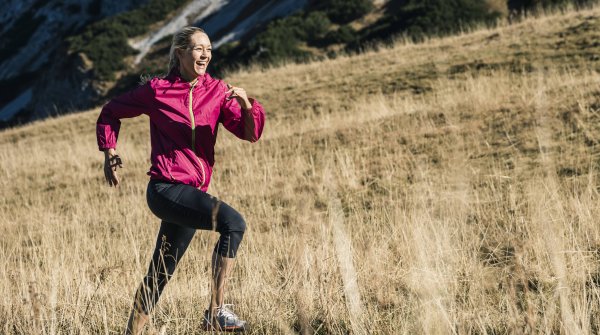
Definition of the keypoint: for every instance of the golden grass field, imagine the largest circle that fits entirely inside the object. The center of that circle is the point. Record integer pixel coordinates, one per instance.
(449, 187)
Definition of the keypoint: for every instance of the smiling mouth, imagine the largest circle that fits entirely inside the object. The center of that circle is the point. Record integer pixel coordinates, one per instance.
(201, 63)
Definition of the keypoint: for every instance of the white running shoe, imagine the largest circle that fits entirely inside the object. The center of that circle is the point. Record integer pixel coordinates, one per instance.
(224, 320)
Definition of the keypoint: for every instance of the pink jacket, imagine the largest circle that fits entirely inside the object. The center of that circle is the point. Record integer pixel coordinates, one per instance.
(184, 121)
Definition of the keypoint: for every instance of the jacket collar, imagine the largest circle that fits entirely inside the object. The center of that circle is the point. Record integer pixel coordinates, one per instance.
(175, 77)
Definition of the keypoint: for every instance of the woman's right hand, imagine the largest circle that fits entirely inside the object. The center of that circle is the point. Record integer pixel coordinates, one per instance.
(111, 162)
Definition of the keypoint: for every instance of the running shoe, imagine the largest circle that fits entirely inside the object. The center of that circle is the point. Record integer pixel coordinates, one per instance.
(224, 320)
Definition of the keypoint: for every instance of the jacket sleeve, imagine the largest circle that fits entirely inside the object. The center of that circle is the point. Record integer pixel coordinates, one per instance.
(131, 104)
(245, 124)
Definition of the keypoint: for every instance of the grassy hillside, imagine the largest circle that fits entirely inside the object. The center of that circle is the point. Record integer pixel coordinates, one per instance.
(446, 187)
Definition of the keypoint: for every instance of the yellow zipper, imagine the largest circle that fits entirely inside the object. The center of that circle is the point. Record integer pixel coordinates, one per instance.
(193, 122)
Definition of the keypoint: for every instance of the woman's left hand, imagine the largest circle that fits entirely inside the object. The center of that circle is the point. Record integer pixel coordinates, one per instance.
(240, 95)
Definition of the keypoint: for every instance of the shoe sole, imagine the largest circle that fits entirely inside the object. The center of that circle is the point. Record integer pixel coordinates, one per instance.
(225, 329)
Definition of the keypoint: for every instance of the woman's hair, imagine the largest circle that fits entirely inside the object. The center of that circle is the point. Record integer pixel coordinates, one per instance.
(181, 40)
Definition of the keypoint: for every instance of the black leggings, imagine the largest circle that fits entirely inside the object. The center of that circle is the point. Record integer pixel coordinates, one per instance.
(183, 209)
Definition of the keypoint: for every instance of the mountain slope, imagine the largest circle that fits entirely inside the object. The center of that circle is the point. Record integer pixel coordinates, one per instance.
(28, 33)
(444, 187)
(87, 52)
(64, 80)
(225, 21)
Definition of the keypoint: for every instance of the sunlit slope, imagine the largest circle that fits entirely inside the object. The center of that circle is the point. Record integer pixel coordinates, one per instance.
(458, 176)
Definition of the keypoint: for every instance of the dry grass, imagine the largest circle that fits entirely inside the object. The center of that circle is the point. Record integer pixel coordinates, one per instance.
(449, 187)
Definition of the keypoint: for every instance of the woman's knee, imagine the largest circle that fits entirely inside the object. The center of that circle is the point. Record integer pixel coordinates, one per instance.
(234, 222)
(238, 224)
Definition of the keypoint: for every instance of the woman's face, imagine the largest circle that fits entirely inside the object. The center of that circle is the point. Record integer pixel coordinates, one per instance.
(194, 60)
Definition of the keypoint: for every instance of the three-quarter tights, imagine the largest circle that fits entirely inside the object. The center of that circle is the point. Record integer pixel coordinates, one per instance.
(183, 209)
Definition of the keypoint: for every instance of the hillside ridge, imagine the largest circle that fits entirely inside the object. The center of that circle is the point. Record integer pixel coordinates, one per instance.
(448, 187)
(409, 69)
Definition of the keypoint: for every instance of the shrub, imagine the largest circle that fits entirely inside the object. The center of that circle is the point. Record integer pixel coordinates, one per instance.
(441, 17)
(315, 26)
(344, 34)
(344, 11)
(528, 5)
(278, 42)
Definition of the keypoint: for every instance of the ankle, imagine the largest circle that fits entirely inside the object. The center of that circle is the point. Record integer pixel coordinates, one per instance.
(212, 311)
(136, 323)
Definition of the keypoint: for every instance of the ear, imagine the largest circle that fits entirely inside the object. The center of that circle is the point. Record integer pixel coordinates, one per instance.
(179, 53)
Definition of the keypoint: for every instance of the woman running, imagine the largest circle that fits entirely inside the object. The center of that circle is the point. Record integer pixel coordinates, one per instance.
(184, 109)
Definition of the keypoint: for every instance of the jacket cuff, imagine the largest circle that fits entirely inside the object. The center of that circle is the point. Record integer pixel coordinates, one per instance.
(256, 109)
(106, 147)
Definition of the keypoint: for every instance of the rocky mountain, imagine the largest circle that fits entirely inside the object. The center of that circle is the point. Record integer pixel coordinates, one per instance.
(69, 55)
(40, 75)
(30, 35)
